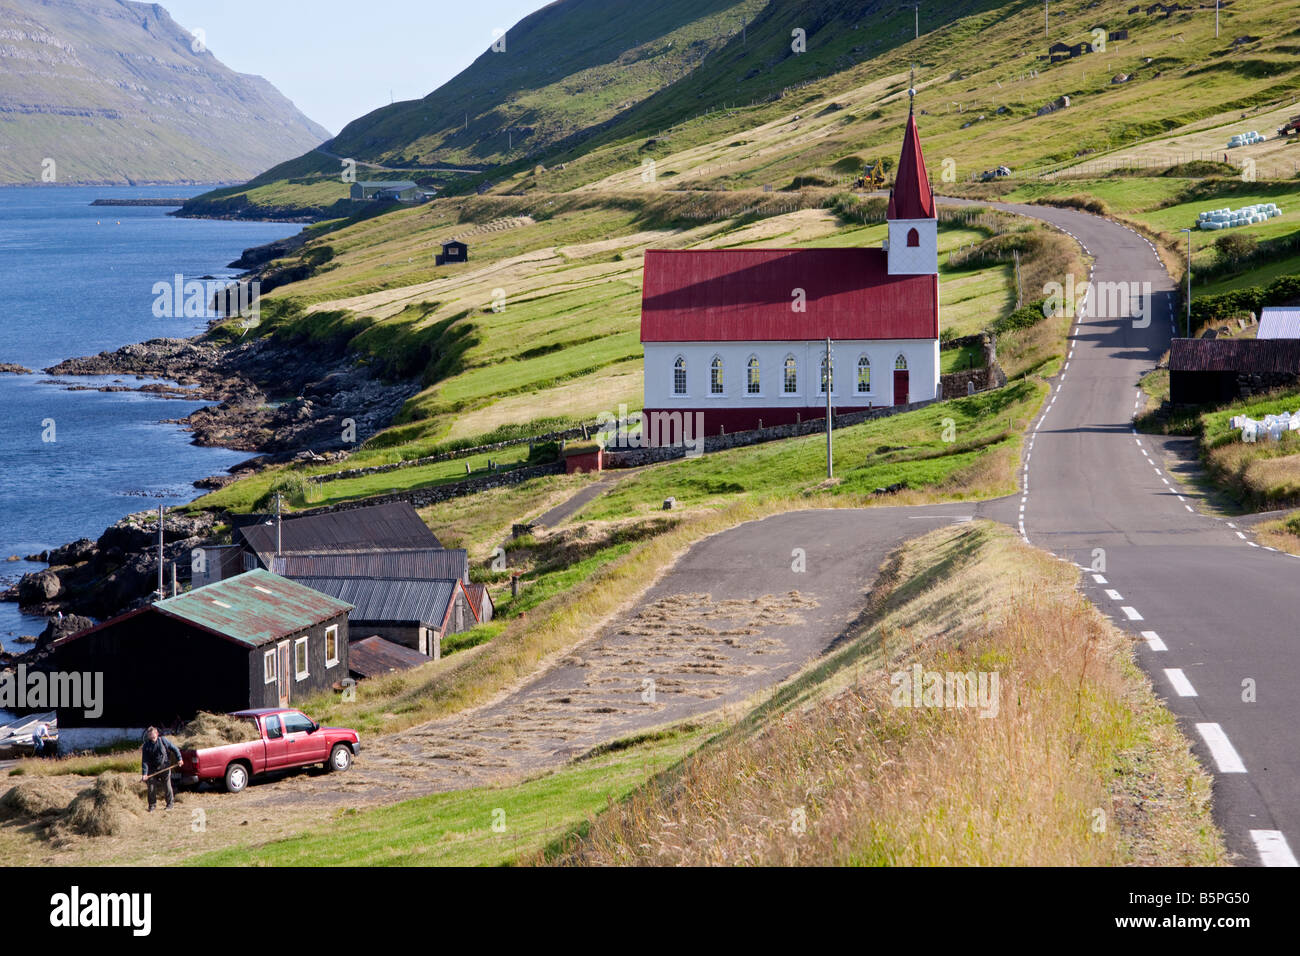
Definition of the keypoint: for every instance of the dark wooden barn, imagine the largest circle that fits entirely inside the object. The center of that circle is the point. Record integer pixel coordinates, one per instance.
(414, 612)
(254, 640)
(391, 526)
(1214, 371)
(453, 251)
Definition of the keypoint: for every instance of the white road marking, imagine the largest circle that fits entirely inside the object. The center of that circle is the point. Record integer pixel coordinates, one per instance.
(1153, 641)
(1114, 595)
(1099, 579)
(1231, 525)
(1166, 481)
(1182, 685)
(1188, 507)
(1221, 749)
(1272, 848)
(1131, 613)
(1241, 536)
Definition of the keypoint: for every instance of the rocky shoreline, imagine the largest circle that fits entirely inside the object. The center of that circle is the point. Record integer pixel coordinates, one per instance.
(278, 399)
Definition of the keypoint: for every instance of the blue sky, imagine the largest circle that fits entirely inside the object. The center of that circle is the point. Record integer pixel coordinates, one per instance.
(340, 59)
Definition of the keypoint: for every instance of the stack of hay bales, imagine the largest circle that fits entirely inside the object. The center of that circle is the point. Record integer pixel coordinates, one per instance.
(107, 808)
(1226, 218)
(215, 730)
(39, 798)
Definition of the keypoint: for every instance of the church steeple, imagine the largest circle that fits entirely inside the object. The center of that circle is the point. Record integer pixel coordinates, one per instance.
(913, 244)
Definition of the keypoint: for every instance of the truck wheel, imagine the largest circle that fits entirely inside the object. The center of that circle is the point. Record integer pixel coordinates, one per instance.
(340, 759)
(236, 778)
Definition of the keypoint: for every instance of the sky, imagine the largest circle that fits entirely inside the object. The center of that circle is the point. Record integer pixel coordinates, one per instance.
(340, 59)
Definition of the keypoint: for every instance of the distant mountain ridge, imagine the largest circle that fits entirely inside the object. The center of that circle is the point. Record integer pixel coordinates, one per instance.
(115, 91)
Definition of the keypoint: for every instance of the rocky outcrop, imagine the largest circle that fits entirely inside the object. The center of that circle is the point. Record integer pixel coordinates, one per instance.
(319, 389)
(9, 368)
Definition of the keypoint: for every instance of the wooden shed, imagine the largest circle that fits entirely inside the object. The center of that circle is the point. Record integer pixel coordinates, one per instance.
(254, 640)
(453, 251)
(1213, 371)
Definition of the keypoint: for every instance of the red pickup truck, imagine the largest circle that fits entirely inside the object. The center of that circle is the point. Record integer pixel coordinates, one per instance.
(288, 739)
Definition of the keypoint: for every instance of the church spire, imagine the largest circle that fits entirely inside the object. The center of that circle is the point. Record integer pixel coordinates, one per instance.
(911, 197)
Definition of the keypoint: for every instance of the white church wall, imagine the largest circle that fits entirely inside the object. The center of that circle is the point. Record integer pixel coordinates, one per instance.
(922, 357)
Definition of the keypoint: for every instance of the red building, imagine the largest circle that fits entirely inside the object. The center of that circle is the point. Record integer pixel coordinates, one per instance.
(735, 337)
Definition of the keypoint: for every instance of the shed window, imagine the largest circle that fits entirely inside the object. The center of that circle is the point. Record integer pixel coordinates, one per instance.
(751, 376)
(913, 238)
(679, 376)
(331, 645)
(268, 667)
(791, 376)
(300, 658)
(715, 376)
(864, 375)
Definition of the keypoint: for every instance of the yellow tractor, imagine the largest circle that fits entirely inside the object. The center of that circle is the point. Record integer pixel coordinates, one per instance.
(873, 176)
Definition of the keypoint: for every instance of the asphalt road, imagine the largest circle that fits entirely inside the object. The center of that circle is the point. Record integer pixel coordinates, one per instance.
(1212, 606)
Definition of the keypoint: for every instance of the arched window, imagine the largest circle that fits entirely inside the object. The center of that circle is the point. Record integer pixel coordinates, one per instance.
(913, 238)
(715, 375)
(828, 376)
(679, 376)
(900, 363)
(864, 375)
(791, 376)
(751, 376)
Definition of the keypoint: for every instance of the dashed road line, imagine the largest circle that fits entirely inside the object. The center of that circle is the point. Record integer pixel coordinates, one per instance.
(1153, 641)
(1182, 686)
(1272, 848)
(1225, 755)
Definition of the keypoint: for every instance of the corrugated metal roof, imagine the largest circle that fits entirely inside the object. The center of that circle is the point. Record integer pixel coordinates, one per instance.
(255, 607)
(436, 563)
(744, 295)
(374, 656)
(1279, 323)
(391, 525)
(911, 197)
(396, 601)
(478, 594)
(1259, 356)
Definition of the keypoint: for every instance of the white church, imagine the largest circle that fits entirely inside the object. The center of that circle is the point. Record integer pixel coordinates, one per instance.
(739, 335)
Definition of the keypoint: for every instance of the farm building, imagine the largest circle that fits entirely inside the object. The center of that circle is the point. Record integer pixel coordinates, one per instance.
(453, 251)
(394, 526)
(1212, 371)
(1279, 322)
(414, 612)
(255, 640)
(374, 657)
(432, 563)
(400, 191)
(735, 337)
(481, 600)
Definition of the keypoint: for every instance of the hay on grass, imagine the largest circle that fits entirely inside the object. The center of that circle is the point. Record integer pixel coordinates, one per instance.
(33, 800)
(107, 808)
(215, 730)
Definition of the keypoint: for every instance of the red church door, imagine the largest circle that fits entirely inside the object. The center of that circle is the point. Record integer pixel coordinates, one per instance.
(900, 381)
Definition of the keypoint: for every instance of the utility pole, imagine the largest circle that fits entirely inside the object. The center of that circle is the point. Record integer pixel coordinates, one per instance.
(277, 524)
(162, 592)
(1045, 17)
(1216, 19)
(829, 469)
(1189, 281)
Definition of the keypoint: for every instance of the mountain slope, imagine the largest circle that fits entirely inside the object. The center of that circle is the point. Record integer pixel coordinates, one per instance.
(114, 91)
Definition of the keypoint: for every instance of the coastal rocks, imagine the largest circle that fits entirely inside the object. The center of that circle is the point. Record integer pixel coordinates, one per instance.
(59, 627)
(8, 368)
(139, 532)
(73, 553)
(38, 587)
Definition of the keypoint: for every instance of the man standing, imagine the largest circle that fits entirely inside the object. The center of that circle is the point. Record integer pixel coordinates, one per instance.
(41, 742)
(158, 756)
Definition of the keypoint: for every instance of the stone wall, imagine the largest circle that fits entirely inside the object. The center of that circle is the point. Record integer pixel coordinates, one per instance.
(1251, 383)
(423, 497)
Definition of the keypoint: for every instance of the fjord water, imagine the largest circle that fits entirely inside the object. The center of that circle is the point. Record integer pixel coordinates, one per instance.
(77, 279)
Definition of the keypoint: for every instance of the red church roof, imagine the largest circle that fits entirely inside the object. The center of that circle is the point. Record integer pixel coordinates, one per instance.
(746, 295)
(911, 197)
